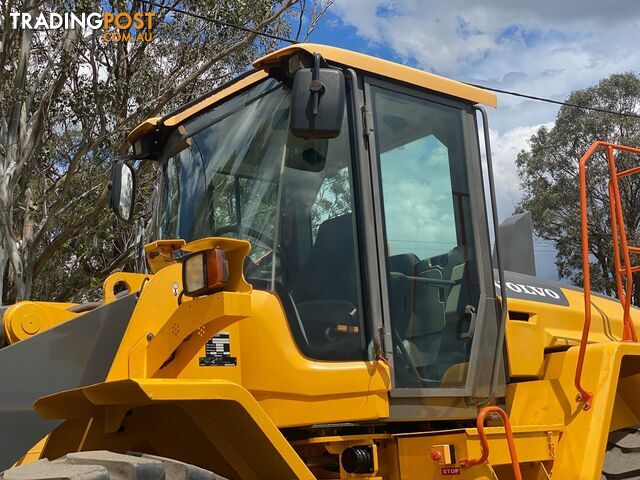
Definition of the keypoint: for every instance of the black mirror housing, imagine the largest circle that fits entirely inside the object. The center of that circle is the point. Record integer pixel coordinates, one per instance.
(123, 190)
(317, 102)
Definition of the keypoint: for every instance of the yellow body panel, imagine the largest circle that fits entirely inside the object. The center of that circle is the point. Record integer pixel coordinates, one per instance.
(304, 391)
(360, 61)
(388, 69)
(612, 373)
(226, 420)
(552, 327)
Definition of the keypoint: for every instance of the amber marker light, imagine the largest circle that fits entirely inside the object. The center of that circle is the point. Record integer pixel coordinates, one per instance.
(204, 272)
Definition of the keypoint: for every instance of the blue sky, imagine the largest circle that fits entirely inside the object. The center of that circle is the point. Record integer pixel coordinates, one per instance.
(545, 48)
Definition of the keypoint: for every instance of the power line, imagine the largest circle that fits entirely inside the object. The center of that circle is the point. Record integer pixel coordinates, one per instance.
(556, 102)
(291, 41)
(219, 22)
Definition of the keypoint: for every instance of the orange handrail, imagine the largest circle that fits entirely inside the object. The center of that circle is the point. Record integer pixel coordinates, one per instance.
(621, 247)
(472, 462)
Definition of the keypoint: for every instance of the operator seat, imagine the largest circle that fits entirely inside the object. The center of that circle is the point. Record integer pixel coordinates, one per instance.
(325, 292)
(433, 334)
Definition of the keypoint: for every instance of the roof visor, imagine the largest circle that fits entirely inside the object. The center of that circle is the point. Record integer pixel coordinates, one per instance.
(359, 61)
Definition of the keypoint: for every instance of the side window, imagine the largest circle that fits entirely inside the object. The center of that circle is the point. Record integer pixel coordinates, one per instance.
(319, 275)
(430, 255)
(183, 185)
(169, 211)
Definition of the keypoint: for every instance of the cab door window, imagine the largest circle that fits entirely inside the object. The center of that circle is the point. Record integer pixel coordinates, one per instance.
(430, 254)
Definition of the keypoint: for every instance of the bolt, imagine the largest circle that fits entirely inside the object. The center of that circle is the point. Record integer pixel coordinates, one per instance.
(149, 336)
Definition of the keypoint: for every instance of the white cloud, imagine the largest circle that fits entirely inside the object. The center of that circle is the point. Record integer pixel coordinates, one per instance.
(505, 148)
(449, 37)
(545, 48)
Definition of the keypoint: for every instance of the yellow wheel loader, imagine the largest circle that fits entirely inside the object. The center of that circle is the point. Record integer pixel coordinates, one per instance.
(322, 300)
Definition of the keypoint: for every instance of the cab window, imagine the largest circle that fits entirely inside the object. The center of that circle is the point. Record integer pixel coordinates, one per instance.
(430, 254)
(236, 171)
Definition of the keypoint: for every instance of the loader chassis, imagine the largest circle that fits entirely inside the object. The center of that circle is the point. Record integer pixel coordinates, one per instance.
(355, 328)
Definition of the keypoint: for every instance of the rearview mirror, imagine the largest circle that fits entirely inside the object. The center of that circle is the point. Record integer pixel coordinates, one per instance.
(123, 190)
(317, 102)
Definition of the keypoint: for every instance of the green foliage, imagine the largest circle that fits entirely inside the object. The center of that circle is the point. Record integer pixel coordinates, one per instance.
(67, 102)
(548, 174)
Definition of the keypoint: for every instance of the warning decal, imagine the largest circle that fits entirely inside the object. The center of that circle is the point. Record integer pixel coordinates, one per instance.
(217, 352)
(450, 471)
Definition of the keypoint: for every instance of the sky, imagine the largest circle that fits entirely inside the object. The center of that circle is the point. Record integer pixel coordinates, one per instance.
(545, 48)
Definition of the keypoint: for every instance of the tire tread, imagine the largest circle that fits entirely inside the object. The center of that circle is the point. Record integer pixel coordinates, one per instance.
(105, 465)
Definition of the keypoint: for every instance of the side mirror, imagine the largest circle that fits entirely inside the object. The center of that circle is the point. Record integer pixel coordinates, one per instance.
(123, 190)
(317, 102)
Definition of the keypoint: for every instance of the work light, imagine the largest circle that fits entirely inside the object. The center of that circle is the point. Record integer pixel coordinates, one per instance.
(204, 272)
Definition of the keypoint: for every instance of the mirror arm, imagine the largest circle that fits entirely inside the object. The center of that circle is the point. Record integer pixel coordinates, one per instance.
(316, 86)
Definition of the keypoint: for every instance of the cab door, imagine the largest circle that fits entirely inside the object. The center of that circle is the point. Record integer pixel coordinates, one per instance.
(440, 312)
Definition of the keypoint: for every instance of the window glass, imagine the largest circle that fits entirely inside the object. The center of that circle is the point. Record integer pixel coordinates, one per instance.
(318, 234)
(236, 171)
(421, 166)
(430, 256)
(333, 199)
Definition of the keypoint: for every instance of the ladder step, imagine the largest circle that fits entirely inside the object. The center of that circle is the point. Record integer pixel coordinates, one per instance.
(623, 271)
(631, 171)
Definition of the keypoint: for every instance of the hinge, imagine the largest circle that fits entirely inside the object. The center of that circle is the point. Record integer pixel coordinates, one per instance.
(387, 342)
(367, 121)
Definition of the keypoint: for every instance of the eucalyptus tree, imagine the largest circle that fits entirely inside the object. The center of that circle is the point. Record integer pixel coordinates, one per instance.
(548, 173)
(68, 99)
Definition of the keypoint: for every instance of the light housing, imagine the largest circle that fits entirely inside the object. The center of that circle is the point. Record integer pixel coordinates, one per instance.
(204, 272)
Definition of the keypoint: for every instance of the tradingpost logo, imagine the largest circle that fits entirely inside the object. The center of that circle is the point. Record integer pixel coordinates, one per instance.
(116, 27)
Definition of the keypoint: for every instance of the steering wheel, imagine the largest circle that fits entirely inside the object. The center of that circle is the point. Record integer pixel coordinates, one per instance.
(263, 239)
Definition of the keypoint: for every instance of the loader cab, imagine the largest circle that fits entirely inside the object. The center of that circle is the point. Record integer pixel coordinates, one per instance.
(374, 238)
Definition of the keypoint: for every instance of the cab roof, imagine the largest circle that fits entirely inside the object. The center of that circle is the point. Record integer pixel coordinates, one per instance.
(348, 58)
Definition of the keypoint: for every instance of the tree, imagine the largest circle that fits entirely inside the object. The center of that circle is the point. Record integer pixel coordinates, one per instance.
(548, 174)
(67, 101)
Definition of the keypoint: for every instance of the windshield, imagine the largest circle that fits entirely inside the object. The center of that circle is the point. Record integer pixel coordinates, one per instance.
(236, 171)
(221, 170)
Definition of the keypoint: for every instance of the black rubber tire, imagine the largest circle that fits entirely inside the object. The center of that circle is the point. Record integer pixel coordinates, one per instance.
(622, 457)
(104, 465)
